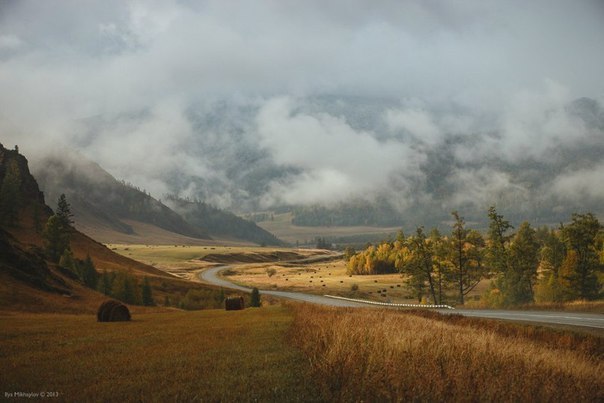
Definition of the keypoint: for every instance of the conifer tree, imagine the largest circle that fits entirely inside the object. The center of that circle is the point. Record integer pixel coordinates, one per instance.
(582, 236)
(90, 277)
(147, 293)
(518, 280)
(64, 212)
(255, 298)
(56, 240)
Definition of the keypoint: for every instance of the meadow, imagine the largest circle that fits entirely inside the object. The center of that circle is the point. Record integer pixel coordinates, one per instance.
(207, 355)
(331, 278)
(371, 355)
(296, 352)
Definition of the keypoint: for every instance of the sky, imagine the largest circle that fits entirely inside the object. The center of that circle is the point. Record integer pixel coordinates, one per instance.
(323, 101)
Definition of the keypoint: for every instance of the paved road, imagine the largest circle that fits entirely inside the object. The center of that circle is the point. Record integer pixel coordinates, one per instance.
(561, 318)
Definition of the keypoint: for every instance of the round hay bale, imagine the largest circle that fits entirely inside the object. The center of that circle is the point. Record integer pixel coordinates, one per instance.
(234, 303)
(113, 311)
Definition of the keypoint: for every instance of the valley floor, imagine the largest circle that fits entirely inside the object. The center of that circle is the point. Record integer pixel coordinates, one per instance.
(206, 355)
(295, 352)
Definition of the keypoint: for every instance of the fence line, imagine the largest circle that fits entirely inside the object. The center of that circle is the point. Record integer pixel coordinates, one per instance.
(364, 301)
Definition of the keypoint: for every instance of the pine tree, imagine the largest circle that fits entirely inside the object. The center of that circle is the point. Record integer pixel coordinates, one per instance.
(106, 283)
(582, 236)
(147, 293)
(498, 241)
(67, 261)
(255, 298)
(64, 212)
(520, 277)
(55, 239)
(90, 276)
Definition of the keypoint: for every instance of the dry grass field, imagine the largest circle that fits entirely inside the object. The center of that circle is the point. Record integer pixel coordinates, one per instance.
(295, 352)
(371, 355)
(210, 355)
(328, 278)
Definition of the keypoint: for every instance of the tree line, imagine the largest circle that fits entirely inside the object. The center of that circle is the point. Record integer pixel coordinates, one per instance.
(526, 265)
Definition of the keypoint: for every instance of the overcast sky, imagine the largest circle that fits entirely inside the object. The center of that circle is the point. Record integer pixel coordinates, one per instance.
(513, 64)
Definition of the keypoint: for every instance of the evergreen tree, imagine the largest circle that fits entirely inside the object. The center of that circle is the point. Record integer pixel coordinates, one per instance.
(10, 194)
(498, 241)
(582, 236)
(90, 276)
(125, 289)
(147, 293)
(106, 283)
(520, 277)
(64, 212)
(255, 298)
(67, 261)
(55, 239)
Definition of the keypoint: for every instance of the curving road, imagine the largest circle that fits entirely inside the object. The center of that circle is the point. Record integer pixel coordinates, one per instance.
(590, 320)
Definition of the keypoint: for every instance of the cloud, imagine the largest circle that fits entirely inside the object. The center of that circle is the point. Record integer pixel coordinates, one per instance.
(335, 160)
(299, 102)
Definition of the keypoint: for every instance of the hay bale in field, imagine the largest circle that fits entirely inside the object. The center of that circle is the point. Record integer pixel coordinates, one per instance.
(234, 304)
(113, 311)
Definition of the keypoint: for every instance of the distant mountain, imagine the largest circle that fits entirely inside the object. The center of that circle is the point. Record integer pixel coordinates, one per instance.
(221, 223)
(104, 207)
(98, 199)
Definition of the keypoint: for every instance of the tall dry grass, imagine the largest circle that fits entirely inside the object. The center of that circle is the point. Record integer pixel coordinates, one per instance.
(373, 355)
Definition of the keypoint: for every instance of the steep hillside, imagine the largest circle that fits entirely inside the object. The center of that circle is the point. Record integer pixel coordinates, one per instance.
(28, 281)
(114, 211)
(99, 200)
(222, 223)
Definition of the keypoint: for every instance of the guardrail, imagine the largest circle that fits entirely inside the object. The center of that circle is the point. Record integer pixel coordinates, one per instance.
(364, 301)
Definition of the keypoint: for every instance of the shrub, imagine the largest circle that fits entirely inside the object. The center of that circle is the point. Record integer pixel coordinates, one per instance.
(255, 298)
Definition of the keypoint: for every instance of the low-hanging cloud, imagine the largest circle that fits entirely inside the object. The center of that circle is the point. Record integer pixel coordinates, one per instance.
(251, 105)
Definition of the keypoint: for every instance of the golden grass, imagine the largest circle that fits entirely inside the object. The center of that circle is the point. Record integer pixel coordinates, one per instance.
(371, 355)
(179, 356)
(331, 278)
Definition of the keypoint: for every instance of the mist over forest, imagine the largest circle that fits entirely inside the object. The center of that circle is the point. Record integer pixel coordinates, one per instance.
(413, 109)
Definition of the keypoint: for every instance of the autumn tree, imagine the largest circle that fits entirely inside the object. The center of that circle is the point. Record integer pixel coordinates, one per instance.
(552, 255)
(465, 257)
(420, 265)
(440, 251)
